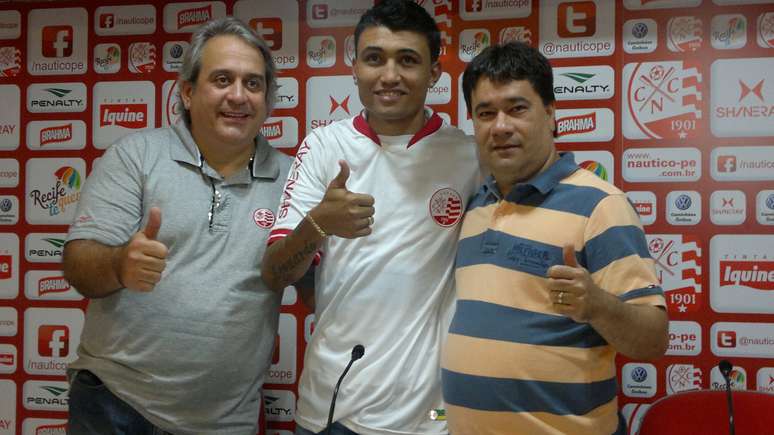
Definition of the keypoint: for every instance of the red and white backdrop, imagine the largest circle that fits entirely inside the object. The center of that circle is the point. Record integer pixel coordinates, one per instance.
(671, 100)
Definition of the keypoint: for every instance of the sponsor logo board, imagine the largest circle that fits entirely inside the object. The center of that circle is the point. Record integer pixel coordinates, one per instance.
(742, 273)
(57, 41)
(742, 97)
(677, 258)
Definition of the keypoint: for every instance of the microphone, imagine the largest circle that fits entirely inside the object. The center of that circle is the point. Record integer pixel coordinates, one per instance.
(357, 352)
(725, 369)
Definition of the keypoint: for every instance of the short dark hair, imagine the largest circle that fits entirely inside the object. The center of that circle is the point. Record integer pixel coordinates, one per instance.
(509, 62)
(398, 15)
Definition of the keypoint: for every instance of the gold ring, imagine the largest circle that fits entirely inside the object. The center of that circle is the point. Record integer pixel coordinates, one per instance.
(370, 220)
(561, 295)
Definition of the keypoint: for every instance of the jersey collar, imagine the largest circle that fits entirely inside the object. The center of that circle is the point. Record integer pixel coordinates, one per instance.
(432, 125)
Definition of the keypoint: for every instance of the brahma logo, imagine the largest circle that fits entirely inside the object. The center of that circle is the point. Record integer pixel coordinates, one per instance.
(742, 273)
(53, 341)
(684, 34)
(446, 207)
(185, 17)
(742, 97)
(270, 29)
(124, 115)
(272, 130)
(194, 17)
(54, 284)
(584, 125)
(576, 19)
(56, 134)
(662, 100)
(577, 124)
(729, 31)
(678, 267)
(45, 427)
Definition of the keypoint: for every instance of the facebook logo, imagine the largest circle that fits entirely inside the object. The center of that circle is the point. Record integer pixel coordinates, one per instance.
(107, 21)
(474, 5)
(53, 341)
(57, 41)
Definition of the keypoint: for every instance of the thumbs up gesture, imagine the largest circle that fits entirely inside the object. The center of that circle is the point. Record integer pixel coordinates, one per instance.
(143, 258)
(343, 213)
(572, 291)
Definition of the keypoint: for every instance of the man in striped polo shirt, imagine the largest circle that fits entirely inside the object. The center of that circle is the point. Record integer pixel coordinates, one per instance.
(553, 271)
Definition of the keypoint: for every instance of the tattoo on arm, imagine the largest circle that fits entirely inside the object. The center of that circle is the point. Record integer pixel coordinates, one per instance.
(284, 270)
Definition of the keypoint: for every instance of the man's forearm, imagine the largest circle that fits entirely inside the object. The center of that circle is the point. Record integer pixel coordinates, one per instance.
(92, 268)
(637, 331)
(287, 260)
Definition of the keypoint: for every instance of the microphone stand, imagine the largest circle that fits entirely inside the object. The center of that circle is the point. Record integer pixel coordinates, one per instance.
(725, 369)
(357, 352)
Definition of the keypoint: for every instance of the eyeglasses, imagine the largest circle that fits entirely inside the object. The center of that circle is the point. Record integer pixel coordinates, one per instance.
(215, 203)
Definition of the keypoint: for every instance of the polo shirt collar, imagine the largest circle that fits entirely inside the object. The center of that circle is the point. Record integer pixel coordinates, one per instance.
(264, 165)
(433, 124)
(543, 182)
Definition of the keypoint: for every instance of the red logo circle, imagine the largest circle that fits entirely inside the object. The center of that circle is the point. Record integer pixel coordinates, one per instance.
(264, 218)
(446, 207)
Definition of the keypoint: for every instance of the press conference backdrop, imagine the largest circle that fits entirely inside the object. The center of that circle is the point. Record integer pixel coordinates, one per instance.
(671, 100)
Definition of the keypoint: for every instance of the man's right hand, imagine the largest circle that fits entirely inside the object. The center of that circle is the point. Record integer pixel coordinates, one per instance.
(143, 258)
(343, 213)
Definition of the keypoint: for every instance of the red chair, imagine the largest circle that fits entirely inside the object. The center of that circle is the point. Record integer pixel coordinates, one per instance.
(705, 412)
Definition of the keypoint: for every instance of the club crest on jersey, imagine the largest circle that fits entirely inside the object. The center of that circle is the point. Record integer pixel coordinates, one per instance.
(446, 207)
(264, 218)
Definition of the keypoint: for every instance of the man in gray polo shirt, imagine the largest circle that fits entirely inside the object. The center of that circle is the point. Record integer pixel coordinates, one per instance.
(168, 242)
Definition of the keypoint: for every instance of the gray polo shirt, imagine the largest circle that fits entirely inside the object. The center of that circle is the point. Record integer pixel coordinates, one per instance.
(190, 355)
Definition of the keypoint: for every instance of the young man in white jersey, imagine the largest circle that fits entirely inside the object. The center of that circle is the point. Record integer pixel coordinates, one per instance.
(375, 203)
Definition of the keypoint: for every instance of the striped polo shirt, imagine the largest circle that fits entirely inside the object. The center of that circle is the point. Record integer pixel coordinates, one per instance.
(512, 364)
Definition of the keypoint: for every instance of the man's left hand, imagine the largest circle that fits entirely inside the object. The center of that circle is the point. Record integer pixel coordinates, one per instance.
(572, 291)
